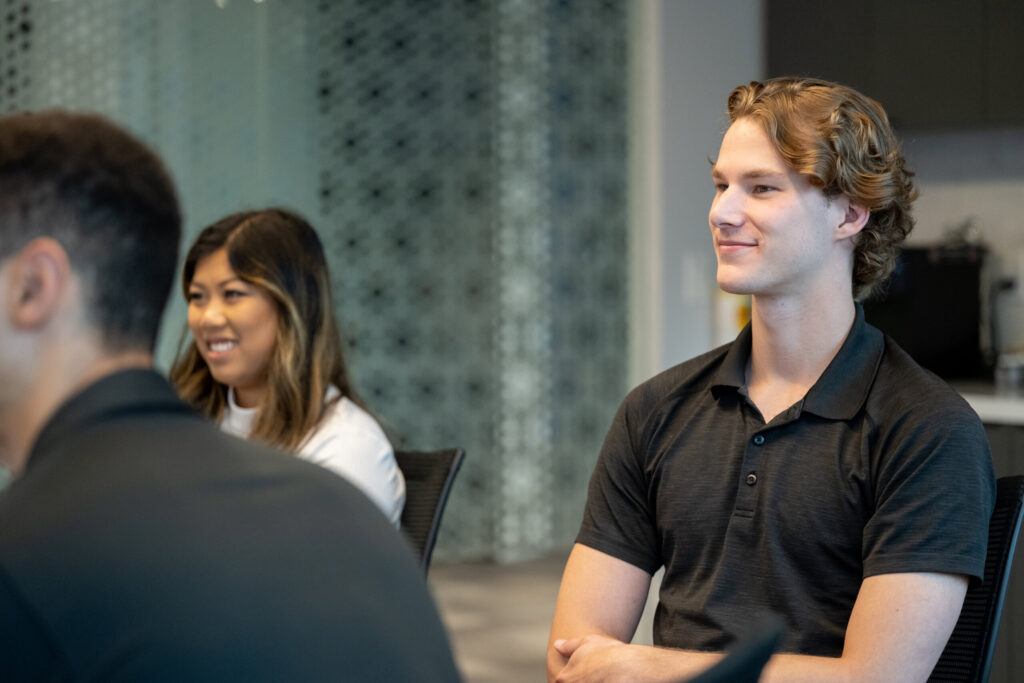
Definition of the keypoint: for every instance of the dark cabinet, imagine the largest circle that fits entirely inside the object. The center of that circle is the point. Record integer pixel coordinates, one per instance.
(1006, 62)
(932, 63)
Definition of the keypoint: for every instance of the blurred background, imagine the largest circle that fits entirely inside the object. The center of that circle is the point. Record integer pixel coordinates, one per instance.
(513, 195)
(466, 166)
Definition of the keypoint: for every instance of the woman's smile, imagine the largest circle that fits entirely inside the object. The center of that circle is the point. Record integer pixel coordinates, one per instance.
(234, 323)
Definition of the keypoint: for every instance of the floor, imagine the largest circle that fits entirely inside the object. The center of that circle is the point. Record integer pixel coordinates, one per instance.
(498, 616)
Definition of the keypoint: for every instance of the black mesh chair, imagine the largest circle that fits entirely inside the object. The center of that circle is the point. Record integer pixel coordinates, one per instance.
(428, 480)
(968, 654)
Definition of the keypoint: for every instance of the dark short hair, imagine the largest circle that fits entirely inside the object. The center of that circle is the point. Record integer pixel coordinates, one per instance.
(843, 142)
(108, 200)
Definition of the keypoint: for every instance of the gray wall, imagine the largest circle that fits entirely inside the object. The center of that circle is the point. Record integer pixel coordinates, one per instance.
(690, 55)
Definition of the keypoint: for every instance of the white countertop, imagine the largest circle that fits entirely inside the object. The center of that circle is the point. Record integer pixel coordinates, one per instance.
(993, 407)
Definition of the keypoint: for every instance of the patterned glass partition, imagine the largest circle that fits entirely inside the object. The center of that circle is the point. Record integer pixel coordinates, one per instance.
(465, 164)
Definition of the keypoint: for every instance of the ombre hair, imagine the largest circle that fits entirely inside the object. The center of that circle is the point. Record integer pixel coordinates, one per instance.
(280, 253)
(843, 142)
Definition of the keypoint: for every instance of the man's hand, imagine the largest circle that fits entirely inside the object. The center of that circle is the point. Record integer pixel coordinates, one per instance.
(896, 632)
(600, 595)
(599, 659)
(592, 658)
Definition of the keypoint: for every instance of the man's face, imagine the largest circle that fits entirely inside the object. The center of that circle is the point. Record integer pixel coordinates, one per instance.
(774, 232)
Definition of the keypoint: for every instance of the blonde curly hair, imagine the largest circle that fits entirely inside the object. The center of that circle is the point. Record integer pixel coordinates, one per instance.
(843, 142)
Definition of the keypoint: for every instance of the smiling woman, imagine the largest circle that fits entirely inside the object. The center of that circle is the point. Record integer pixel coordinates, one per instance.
(265, 358)
(234, 325)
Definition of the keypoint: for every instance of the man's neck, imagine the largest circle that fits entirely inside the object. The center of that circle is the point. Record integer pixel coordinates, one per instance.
(59, 377)
(793, 341)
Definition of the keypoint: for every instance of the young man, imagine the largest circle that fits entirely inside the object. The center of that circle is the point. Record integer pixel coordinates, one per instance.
(809, 469)
(137, 541)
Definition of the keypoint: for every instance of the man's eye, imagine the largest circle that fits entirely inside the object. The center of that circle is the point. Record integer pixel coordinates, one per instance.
(761, 189)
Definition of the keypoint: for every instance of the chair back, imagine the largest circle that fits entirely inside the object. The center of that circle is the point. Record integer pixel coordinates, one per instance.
(968, 654)
(428, 481)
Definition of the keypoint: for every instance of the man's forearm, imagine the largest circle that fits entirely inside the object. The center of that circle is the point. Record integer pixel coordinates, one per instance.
(599, 658)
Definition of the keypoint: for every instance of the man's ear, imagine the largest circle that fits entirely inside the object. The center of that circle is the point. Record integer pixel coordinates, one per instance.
(854, 219)
(39, 278)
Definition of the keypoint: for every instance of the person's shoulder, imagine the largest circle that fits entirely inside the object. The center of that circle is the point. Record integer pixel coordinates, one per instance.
(904, 390)
(669, 390)
(345, 418)
(679, 381)
(261, 462)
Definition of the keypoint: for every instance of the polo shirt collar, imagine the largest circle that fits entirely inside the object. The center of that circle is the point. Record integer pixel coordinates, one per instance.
(731, 373)
(840, 391)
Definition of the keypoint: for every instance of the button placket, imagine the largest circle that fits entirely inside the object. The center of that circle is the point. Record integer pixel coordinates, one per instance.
(747, 494)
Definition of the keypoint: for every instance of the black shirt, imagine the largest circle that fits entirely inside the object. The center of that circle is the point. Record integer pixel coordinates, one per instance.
(881, 468)
(141, 543)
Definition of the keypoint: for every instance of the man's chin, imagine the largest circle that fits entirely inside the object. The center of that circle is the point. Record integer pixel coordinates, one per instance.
(733, 287)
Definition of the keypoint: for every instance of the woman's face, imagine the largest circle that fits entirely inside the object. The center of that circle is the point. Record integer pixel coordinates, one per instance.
(234, 325)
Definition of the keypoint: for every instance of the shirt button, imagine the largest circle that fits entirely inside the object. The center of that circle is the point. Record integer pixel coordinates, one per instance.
(751, 479)
(758, 439)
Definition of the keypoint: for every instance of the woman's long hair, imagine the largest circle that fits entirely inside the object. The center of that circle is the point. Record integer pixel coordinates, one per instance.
(280, 253)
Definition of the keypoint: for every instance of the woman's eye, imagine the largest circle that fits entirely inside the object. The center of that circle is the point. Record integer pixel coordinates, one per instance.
(233, 293)
(194, 296)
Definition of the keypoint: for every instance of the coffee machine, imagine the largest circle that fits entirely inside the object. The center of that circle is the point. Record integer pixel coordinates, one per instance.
(933, 306)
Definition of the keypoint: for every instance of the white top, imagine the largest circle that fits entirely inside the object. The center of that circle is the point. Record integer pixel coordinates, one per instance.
(347, 441)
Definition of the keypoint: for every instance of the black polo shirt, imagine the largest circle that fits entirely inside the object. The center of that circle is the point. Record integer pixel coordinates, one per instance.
(881, 468)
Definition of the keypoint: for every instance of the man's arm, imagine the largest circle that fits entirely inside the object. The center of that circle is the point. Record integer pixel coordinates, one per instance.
(897, 631)
(898, 628)
(599, 594)
(599, 605)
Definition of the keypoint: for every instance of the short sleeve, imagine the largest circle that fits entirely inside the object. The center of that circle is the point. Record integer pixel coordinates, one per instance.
(933, 496)
(618, 518)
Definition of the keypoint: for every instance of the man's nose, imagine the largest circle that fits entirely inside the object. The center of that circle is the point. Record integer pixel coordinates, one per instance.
(726, 209)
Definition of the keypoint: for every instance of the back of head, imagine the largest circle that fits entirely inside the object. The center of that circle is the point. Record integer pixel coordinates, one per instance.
(843, 142)
(279, 252)
(108, 200)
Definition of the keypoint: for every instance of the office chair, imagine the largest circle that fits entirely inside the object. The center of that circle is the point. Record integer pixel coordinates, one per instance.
(968, 654)
(428, 481)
